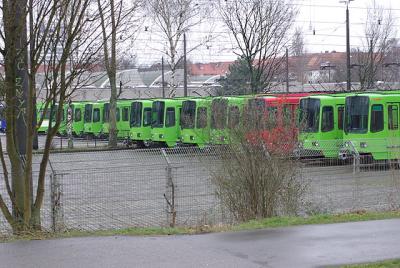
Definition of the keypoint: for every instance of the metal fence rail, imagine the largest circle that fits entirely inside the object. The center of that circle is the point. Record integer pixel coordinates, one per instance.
(172, 187)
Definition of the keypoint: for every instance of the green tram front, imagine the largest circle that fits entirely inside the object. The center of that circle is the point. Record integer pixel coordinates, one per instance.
(372, 126)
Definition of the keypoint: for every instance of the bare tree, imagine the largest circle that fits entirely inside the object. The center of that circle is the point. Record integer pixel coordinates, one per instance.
(391, 66)
(117, 18)
(379, 31)
(297, 46)
(297, 50)
(260, 29)
(175, 18)
(53, 30)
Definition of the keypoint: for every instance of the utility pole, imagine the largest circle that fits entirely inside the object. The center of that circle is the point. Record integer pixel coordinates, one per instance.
(348, 67)
(185, 93)
(70, 112)
(287, 70)
(162, 77)
(371, 65)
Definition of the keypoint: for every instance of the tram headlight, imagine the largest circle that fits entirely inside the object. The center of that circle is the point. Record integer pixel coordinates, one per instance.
(363, 144)
(315, 143)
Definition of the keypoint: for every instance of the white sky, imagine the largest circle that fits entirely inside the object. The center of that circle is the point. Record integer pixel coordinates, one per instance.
(327, 17)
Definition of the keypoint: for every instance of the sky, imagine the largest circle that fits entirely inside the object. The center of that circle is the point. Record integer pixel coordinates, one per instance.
(325, 18)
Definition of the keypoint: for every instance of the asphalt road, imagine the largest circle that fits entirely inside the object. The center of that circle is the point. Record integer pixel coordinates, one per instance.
(301, 246)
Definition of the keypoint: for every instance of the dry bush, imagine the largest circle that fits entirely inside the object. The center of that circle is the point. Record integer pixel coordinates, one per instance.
(253, 183)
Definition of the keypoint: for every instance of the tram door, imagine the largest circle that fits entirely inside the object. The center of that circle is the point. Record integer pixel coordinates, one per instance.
(339, 121)
(393, 133)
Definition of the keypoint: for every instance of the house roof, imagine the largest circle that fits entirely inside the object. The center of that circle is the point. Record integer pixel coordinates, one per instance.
(207, 69)
(314, 61)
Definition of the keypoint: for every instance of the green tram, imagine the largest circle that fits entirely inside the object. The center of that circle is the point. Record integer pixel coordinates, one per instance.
(122, 120)
(78, 118)
(46, 114)
(62, 130)
(165, 128)
(42, 114)
(371, 125)
(94, 119)
(140, 122)
(195, 122)
(226, 114)
(321, 125)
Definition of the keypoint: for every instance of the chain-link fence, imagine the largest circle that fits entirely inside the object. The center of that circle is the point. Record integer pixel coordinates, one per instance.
(173, 187)
(46, 213)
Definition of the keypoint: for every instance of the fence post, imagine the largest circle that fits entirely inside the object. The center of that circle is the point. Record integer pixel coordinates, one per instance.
(356, 159)
(57, 215)
(170, 192)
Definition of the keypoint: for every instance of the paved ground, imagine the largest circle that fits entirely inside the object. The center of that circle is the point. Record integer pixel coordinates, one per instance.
(121, 189)
(302, 246)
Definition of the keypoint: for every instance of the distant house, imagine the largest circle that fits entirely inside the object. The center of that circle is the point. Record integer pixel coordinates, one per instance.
(317, 67)
(209, 69)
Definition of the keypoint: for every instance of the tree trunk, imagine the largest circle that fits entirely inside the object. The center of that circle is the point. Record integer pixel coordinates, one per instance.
(112, 142)
(16, 83)
(112, 73)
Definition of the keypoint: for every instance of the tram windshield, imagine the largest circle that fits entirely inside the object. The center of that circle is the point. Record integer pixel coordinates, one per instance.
(158, 114)
(136, 114)
(188, 114)
(309, 115)
(356, 114)
(219, 111)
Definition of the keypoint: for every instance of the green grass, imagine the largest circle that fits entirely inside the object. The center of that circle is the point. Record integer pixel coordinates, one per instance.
(381, 264)
(274, 222)
(316, 219)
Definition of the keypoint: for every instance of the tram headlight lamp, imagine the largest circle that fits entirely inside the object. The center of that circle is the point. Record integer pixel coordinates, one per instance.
(363, 144)
(315, 143)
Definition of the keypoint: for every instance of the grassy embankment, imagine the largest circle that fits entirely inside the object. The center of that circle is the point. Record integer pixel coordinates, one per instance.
(274, 222)
(381, 264)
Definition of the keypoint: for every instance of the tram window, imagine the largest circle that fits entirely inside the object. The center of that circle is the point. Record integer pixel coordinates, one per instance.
(96, 115)
(376, 118)
(158, 114)
(234, 117)
(340, 112)
(393, 116)
(136, 114)
(118, 115)
(287, 115)
(78, 115)
(272, 113)
(147, 117)
(88, 113)
(106, 112)
(219, 108)
(125, 114)
(327, 119)
(201, 117)
(170, 117)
